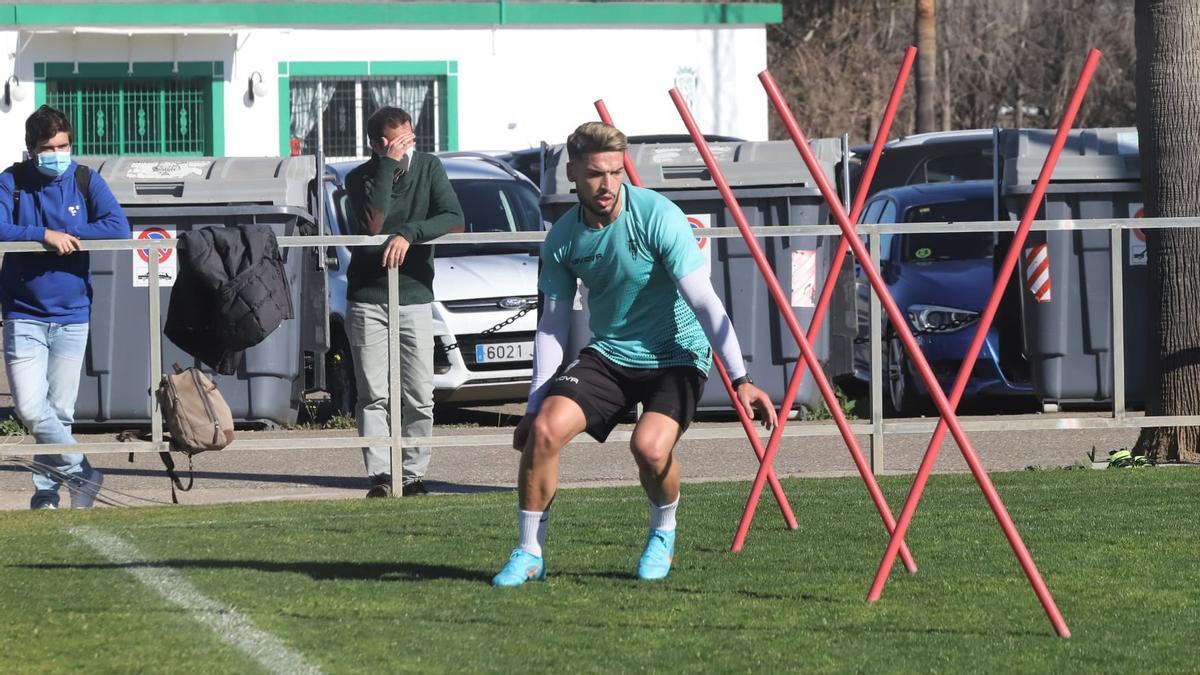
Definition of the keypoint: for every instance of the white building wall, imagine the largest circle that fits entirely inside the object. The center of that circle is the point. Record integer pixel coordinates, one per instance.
(516, 86)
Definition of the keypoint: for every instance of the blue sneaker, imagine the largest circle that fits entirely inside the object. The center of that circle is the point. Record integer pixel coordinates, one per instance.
(522, 566)
(656, 559)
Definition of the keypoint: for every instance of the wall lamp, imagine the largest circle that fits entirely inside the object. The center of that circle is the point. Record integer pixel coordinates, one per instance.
(255, 87)
(13, 91)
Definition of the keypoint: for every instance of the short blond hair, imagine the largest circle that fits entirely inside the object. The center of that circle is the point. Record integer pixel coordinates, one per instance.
(592, 137)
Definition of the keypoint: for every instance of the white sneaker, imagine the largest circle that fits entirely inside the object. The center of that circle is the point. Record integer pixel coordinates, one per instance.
(83, 496)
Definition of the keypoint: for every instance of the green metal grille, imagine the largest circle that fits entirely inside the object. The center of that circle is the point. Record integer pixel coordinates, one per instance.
(136, 117)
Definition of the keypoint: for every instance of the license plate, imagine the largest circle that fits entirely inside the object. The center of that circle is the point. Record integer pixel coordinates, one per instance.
(504, 351)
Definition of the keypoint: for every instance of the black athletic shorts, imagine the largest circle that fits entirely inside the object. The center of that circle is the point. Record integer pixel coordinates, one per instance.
(606, 391)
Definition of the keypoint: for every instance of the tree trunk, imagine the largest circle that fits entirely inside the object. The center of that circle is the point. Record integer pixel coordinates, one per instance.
(1167, 34)
(1019, 104)
(947, 98)
(926, 34)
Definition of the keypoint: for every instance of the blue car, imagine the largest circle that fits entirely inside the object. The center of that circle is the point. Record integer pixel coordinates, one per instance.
(941, 282)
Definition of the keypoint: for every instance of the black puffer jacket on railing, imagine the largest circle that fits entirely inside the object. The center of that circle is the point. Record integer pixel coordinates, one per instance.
(232, 291)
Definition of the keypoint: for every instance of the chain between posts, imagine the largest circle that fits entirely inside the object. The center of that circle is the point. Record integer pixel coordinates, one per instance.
(507, 322)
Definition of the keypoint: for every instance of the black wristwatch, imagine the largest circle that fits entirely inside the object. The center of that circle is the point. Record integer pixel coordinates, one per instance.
(745, 379)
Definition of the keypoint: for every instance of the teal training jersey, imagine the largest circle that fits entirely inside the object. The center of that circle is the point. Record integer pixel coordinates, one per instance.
(629, 267)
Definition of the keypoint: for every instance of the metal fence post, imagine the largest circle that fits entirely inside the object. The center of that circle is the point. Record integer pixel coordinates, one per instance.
(1118, 320)
(156, 370)
(393, 310)
(846, 173)
(876, 348)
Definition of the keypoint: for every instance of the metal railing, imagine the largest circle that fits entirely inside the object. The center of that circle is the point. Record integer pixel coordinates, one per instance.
(876, 427)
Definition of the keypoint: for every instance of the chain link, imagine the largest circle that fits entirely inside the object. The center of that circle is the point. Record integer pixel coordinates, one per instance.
(522, 312)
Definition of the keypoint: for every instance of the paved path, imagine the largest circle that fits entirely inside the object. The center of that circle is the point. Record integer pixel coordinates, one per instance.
(333, 474)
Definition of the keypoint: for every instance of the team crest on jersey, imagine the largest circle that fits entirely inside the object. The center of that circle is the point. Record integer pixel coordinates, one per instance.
(74, 209)
(633, 247)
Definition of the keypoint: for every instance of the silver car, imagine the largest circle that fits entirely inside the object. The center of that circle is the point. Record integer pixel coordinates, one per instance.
(485, 295)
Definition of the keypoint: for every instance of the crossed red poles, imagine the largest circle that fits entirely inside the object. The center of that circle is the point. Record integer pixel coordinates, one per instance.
(945, 406)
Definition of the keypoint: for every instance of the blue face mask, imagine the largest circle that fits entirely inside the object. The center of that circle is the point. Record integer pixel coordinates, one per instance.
(54, 164)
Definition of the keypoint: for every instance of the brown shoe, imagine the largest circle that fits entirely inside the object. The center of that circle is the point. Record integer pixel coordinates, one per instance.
(381, 486)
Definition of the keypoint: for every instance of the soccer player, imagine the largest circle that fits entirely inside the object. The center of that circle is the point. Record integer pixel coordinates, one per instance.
(653, 316)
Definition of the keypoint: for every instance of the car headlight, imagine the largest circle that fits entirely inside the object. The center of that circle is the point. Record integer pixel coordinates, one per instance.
(939, 319)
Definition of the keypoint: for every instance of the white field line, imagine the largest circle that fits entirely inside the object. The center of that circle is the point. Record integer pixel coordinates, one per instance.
(229, 625)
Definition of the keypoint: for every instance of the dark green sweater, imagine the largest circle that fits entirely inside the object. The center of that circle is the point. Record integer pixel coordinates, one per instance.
(419, 205)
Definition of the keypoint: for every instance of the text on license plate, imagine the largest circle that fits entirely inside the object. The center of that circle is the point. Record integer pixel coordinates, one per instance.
(504, 351)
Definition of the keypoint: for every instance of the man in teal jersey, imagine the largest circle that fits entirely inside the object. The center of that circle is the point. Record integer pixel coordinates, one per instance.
(653, 316)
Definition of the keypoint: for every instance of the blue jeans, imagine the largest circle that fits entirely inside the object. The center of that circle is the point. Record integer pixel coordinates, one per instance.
(44, 362)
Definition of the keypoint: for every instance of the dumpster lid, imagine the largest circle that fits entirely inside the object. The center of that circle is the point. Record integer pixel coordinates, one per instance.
(178, 181)
(1090, 155)
(678, 166)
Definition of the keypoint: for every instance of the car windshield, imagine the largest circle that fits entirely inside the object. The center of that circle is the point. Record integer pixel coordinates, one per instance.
(495, 206)
(488, 206)
(929, 246)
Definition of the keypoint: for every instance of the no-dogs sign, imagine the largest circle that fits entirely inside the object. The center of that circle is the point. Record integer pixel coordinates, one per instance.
(701, 222)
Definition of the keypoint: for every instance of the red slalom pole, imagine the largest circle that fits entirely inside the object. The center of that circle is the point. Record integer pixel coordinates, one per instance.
(785, 507)
(939, 398)
(630, 169)
(868, 175)
(747, 425)
(821, 310)
(781, 301)
(985, 323)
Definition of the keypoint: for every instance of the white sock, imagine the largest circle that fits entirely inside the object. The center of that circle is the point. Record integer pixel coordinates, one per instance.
(530, 531)
(663, 517)
(541, 530)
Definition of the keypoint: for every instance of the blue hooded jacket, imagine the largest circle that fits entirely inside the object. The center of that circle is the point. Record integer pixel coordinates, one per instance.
(47, 286)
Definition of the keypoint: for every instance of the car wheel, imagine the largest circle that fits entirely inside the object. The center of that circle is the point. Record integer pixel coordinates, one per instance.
(902, 396)
(339, 377)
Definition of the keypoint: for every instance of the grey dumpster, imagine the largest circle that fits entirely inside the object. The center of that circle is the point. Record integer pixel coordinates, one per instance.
(1067, 312)
(165, 198)
(774, 188)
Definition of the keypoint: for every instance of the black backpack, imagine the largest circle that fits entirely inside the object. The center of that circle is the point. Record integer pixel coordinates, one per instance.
(83, 179)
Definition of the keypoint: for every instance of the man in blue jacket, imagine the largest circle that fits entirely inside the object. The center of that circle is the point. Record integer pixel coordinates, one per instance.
(46, 297)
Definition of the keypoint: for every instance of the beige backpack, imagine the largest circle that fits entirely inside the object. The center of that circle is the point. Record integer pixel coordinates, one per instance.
(195, 414)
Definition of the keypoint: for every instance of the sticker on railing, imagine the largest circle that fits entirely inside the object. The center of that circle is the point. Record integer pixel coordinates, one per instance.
(1137, 243)
(168, 262)
(1037, 272)
(804, 278)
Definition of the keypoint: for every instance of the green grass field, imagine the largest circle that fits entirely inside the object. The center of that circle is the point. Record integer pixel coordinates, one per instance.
(402, 585)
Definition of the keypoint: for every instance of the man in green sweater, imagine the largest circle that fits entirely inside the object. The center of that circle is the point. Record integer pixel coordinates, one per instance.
(407, 195)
